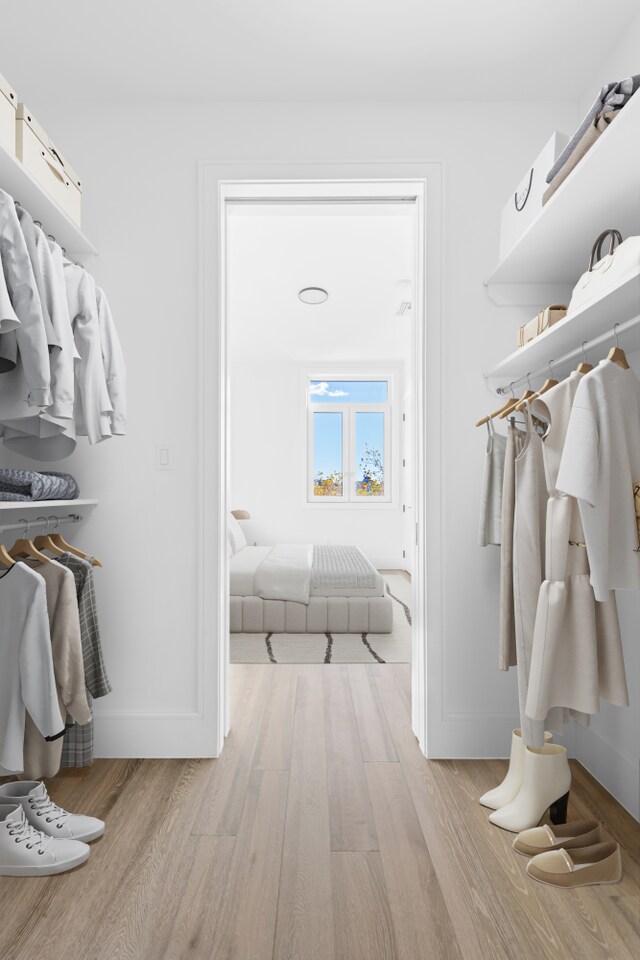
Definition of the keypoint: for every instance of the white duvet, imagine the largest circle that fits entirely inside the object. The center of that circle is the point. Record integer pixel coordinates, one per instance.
(285, 573)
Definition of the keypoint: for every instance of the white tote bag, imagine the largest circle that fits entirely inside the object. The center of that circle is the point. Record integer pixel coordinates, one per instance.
(606, 272)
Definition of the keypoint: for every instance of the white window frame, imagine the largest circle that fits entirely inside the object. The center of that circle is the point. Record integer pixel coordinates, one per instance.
(349, 410)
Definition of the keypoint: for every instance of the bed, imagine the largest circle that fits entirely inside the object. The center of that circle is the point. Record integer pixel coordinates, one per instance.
(300, 588)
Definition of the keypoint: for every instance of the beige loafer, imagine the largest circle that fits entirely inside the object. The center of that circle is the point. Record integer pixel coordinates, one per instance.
(581, 867)
(579, 833)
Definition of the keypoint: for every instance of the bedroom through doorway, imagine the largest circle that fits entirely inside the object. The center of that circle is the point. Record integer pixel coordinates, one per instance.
(323, 388)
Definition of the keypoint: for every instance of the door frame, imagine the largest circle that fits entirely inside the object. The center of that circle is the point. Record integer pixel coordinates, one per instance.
(221, 182)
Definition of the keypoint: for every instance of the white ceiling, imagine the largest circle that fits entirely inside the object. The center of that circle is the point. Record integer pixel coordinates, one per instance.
(294, 50)
(358, 254)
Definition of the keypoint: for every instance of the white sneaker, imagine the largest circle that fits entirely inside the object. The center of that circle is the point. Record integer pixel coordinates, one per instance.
(27, 852)
(43, 814)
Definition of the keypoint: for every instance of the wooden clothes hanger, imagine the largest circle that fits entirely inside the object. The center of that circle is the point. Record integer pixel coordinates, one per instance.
(547, 385)
(584, 366)
(496, 413)
(5, 557)
(61, 544)
(45, 542)
(26, 548)
(514, 405)
(616, 355)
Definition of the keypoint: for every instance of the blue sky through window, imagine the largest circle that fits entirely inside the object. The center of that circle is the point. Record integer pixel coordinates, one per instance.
(327, 443)
(348, 391)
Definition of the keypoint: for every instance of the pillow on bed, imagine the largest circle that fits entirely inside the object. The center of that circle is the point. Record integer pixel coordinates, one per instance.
(236, 536)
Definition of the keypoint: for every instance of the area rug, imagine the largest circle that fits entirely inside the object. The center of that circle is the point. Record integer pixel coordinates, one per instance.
(394, 647)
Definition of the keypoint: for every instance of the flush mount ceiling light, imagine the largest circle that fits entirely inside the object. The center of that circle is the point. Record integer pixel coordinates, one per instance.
(313, 295)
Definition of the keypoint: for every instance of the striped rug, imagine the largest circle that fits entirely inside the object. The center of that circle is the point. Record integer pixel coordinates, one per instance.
(394, 647)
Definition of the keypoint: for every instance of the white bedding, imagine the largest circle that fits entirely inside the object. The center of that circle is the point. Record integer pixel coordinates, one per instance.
(285, 573)
(245, 564)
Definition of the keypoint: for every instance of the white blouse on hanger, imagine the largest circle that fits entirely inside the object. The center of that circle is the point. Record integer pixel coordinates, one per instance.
(600, 464)
(27, 680)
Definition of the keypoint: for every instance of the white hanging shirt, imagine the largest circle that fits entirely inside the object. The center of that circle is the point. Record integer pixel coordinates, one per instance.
(92, 405)
(27, 680)
(28, 385)
(51, 434)
(600, 464)
(113, 362)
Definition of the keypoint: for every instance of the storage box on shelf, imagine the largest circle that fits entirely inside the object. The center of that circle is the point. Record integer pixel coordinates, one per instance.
(525, 203)
(596, 319)
(22, 186)
(8, 107)
(603, 191)
(42, 159)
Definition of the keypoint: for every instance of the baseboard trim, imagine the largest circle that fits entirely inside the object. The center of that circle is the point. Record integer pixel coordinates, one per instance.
(619, 775)
(153, 736)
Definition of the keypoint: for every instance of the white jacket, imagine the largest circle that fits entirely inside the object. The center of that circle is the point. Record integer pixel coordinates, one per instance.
(113, 363)
(27, 679)
(28, 385)
(92, 404)
(51, 435)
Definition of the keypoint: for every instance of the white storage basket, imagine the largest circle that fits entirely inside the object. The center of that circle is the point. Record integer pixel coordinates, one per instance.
(46, 164)
(8, 107)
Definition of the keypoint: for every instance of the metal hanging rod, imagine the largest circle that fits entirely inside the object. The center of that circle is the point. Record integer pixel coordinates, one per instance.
(614, 332)
(24, 524)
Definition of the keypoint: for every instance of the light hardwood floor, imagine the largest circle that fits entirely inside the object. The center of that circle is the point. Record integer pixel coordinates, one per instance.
(320, 834)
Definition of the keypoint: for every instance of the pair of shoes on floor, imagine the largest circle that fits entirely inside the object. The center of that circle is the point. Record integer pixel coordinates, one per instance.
(37, 837)
(538, 779)
(570, 854)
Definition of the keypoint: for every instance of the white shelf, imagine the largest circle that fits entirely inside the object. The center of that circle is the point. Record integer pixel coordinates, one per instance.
(603, 191)
(15, 180)
(594, 320)
(43, 506)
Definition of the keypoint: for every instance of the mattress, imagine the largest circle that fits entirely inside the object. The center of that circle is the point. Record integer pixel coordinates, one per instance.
(245, 562)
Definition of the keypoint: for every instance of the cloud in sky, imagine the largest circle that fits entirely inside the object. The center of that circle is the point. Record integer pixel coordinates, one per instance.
(322, 390)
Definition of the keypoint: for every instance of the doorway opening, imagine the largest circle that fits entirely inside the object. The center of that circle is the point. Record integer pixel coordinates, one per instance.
(320, 330)
(383, 419)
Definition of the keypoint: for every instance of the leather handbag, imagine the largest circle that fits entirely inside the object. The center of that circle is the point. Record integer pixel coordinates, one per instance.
(546, 318)
(608, 271)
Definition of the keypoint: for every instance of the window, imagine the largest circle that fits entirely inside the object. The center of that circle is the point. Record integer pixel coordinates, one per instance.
(349, 440)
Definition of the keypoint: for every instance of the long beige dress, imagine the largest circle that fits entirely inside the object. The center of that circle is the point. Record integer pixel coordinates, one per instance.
(528, 566)
(576, 655)
(507, 640)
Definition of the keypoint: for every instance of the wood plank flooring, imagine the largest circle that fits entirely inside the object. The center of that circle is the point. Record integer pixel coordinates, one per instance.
(321, 833)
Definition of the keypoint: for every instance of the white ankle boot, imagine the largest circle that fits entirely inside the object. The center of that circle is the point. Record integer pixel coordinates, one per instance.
(26, 852)
(545, 786)
(506, 791)
(43, 814)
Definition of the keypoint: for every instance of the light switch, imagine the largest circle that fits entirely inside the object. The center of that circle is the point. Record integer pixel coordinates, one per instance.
(163, 458)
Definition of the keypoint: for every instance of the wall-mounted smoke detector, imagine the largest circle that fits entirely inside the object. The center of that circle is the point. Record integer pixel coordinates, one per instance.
(404, 297)
(313, 295)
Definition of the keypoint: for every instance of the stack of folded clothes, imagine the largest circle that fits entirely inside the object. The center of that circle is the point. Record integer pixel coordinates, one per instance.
(20, 485)
(606, 107)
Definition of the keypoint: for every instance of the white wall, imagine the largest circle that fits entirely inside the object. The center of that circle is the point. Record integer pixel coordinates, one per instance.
(272, 434)
(358, 254)
(139, 167)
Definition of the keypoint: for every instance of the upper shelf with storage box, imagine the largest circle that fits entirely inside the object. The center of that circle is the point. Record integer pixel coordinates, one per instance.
(603, 191)
(33, 172)
(18, 182)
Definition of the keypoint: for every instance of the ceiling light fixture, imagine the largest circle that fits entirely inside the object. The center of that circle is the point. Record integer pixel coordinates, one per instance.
(313, 295)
